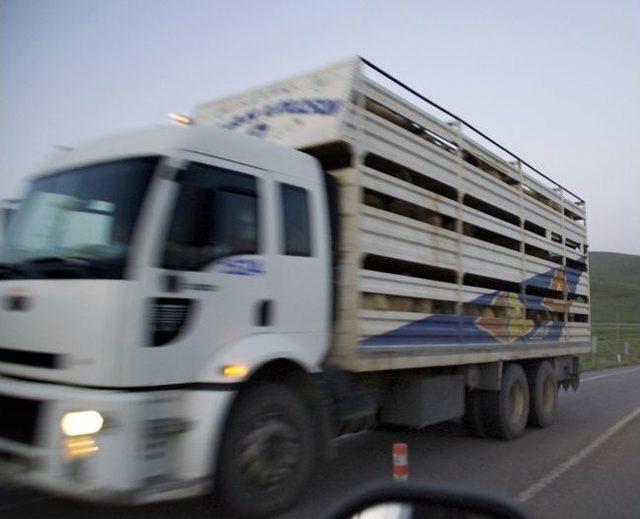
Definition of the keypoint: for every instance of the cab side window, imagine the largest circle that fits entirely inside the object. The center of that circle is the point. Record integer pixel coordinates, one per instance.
(215, 216)
(296, 228)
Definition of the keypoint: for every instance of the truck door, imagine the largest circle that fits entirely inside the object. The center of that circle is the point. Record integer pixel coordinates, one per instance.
(208, 284)
(301, 264)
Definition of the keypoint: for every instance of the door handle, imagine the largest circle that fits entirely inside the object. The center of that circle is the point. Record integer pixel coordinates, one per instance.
(264, 312)
(171, 282)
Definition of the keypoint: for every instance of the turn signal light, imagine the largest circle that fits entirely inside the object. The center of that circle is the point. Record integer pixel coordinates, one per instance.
(80, 446)
(235, 370)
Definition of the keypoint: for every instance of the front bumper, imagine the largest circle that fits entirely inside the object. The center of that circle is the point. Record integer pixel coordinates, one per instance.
(155, 445)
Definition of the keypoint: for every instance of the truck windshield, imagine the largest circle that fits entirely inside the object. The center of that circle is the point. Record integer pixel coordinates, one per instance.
(78, 222)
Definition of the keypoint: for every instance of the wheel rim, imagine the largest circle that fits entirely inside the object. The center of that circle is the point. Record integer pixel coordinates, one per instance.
(516, 402)
(548, 395)
(269, 451)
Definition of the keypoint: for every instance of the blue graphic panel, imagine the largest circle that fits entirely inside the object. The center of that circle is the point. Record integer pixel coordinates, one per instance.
(454, 329)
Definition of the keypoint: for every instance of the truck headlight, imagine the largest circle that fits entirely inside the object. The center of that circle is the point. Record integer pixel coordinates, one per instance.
(81, 423)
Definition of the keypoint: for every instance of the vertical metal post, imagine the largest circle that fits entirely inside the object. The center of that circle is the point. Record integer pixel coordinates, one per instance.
(459, 223)
(586, 261)
(523, 259)
(356, 198)
(565, 294)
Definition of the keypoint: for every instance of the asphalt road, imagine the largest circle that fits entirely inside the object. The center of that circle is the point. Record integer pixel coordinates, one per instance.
(586, 465)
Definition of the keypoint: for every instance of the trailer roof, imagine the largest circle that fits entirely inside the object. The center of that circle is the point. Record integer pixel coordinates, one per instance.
(463, 122)
(307, 110)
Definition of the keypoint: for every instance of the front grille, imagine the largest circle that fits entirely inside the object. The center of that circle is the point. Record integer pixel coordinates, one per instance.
(30, 358)
(19, 419)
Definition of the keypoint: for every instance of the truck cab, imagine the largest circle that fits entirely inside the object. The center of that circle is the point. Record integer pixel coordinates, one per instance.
(142, 280)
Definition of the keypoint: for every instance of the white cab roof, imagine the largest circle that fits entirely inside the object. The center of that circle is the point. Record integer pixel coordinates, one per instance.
(167, 140)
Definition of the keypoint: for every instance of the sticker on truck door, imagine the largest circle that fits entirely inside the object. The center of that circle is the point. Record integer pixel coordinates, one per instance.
(243, 267)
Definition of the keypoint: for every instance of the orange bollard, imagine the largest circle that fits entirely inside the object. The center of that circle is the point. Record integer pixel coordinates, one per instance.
(400, 462)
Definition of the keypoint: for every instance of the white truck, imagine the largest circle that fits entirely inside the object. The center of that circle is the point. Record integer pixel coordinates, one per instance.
(192, 309)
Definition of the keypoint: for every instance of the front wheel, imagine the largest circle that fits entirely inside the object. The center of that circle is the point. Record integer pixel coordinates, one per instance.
(267, 451)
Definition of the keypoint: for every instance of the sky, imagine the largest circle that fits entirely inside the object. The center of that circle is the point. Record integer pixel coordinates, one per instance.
(556, 82)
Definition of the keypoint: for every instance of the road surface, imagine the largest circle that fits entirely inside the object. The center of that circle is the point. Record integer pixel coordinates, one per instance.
(587, 465)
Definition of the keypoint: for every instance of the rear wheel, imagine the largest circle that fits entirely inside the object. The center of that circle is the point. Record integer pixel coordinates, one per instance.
(543, 387)
(507, 410)
(267, 452)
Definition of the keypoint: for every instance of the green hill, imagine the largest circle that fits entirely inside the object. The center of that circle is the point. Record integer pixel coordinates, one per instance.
(615, 287)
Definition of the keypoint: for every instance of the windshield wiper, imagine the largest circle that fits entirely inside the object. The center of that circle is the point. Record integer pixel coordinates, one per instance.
(72, 261)
(11, 270)
(54, 265)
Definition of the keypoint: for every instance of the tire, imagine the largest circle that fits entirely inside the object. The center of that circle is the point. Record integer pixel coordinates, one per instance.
(543, 388)
(267, 452)
(474, 414)
(507, 410)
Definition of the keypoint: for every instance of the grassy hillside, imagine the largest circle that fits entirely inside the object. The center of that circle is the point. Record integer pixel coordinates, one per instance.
(615, 287)
(615, 297)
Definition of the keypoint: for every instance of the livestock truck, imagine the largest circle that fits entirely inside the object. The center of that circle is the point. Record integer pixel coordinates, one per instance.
(205, 308)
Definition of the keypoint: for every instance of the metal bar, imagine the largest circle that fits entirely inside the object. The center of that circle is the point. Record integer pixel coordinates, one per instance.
(465, 123)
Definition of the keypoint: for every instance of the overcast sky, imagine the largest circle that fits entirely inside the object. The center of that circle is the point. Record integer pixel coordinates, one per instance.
(556, 81)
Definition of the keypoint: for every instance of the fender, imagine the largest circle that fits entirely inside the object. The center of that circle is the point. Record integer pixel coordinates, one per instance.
(254, 351)
(213, 407)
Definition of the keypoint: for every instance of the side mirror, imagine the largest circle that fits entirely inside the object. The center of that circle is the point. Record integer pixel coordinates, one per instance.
(418, 501)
